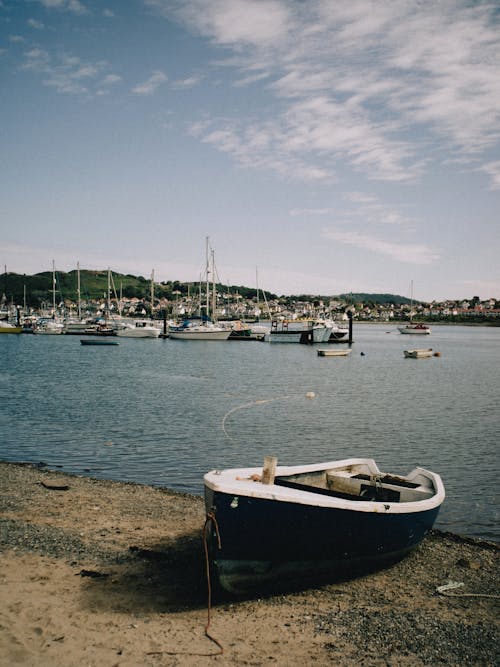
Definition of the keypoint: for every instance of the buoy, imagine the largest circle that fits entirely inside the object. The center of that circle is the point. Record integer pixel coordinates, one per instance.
(310, 394)
(362, 354)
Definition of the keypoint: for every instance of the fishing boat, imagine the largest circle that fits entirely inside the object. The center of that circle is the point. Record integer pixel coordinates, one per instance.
(286, 525)
(333, 353)
(419, 353)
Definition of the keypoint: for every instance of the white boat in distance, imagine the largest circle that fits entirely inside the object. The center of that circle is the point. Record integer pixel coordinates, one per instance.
(414, 328)
(299, 331)
(49, 327)
(333, 353)
(190, 330)
(418, 329)
(419, 353)
(138, 329)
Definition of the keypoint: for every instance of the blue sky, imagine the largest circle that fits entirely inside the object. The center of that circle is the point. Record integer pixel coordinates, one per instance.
(338, 146)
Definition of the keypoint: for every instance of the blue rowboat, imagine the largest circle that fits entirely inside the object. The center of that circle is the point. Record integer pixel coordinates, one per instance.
(313, 522)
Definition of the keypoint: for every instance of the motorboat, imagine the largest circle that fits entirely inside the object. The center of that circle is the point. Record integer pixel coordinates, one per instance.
(138, 329)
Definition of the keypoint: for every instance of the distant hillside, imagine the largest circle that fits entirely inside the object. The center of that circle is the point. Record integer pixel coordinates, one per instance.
(381, 299)
(94, 285)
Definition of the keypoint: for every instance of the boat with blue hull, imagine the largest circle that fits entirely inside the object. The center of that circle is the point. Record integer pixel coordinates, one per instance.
(315, 522)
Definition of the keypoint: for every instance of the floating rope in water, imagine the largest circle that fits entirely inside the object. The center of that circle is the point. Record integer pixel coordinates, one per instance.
(260, 401)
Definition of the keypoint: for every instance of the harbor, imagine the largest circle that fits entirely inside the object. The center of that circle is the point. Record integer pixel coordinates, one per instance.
(164, 411)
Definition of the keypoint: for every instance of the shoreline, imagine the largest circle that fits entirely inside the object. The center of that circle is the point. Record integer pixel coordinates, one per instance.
(99, 572)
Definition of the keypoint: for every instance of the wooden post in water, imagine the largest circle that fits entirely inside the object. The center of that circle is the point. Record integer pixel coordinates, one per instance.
(269, 469)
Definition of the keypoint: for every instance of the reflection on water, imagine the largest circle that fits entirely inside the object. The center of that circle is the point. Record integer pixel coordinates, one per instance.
(164, 412)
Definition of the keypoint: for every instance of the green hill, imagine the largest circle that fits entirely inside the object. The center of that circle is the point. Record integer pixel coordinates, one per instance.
(37, 289)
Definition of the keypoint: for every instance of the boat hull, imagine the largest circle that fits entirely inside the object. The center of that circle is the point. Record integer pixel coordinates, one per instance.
(415, 331)
(274, 543)
(200, 335)
(418, 354)
(321, 520)
(10, 330)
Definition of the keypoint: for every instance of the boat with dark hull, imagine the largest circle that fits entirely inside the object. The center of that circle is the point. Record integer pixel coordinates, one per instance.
(315, 522)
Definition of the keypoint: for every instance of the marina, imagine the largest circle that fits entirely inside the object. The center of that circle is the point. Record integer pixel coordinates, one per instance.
(164, 412)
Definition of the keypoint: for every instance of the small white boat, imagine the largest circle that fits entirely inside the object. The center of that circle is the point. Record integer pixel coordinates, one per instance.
(417, 329)
(138, 329)
(49, 328)
(333, 353)
(419, 353)
(190, 331)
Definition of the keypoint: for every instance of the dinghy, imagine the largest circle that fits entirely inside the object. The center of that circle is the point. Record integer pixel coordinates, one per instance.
(418, 353)
(295, 524)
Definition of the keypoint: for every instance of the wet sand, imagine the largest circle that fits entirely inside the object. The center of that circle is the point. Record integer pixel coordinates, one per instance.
(105, 573)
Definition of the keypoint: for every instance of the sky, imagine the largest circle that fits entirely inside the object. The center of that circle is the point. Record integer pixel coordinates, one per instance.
(323, 146)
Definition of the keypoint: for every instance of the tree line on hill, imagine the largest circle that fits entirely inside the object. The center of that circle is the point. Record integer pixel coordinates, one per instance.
(34, 290)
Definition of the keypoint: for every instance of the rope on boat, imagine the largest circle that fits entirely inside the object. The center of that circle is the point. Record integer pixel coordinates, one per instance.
(447, 589)
(260, 401)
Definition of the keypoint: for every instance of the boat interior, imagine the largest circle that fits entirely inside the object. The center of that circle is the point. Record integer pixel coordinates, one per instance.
(358, 483)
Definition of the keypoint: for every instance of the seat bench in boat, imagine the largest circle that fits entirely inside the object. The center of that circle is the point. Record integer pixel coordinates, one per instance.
(357, 486)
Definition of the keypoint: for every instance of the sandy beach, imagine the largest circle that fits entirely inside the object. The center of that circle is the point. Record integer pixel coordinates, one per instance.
(106, 573)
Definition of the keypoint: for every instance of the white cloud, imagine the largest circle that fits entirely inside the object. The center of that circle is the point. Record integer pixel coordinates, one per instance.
(493, 171)
(151, 85)
(72, 6)
(184, 84)
(408, 253)
(258, 23)
(66, 73)
(294, 212)
(37, 25)
(370, 85)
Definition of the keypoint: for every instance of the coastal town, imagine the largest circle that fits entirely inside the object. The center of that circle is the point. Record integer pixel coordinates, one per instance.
(178, 301)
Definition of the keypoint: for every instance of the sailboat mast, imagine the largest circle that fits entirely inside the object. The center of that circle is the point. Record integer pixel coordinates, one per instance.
(207, 269)
(152, 292)
(214, 294)
(53, 288)
(411, 301)
(109, 292)
(78, 291)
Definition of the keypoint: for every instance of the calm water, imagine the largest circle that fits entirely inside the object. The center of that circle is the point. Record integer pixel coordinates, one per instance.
(164, 412)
